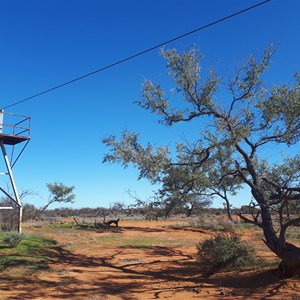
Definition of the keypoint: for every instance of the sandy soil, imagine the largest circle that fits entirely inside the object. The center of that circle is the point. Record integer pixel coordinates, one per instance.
(144, 260)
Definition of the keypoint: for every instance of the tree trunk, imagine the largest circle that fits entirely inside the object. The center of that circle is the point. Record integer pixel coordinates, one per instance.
(228, 210)
(288, 253)
(37, 215)
(290, 264)
(272, 240)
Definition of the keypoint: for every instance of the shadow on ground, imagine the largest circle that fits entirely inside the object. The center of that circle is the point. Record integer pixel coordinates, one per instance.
(167, 270)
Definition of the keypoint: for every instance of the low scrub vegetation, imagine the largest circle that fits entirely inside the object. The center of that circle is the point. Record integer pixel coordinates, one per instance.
(225, 252)
(13, 238)
(18, 251)
(214, 222)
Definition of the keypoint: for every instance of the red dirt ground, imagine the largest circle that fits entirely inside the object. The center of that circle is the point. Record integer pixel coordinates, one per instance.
(144, 260)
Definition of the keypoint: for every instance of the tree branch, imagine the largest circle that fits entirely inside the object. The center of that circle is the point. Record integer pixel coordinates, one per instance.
(246, 220)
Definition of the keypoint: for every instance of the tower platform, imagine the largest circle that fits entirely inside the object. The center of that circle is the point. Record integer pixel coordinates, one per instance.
(14, 129)
(10, 139)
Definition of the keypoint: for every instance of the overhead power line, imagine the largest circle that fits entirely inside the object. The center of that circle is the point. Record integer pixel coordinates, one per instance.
(139, 53)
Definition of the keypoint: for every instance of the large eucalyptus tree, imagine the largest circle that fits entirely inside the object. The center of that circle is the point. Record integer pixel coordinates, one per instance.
(237, 126)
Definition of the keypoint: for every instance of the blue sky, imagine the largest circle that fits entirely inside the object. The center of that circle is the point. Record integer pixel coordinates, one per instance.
(45, 43)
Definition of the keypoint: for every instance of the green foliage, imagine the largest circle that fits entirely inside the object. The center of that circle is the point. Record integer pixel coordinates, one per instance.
(30, 255)
(59, 193)
(225, 252)
(237, 120)
(35, 243)
(13, 238)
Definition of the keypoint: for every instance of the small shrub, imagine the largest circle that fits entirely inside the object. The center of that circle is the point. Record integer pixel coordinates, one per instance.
(225, 252)
(215, 222)
(226, 225)
(12, 238)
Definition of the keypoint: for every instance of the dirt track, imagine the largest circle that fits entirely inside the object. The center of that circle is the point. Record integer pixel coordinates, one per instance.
(144, 260)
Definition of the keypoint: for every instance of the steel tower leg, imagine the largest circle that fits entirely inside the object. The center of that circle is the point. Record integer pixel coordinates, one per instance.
(12, 181)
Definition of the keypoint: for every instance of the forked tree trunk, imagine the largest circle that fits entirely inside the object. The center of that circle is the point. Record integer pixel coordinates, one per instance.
(288, 253)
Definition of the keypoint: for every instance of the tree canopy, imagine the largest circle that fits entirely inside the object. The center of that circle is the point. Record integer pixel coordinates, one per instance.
(59, 193)
(236, 126)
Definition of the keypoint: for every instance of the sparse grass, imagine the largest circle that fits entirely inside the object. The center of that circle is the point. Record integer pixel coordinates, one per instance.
(86, 227)
(244, 226)
(61, 226)
(262, 264)
(293, 234)
(30, 255)
(89, 227)
(138, 243)
(145, 242)
(134, 246)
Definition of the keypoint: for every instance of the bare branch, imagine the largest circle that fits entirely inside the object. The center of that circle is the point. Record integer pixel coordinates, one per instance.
(247, 220)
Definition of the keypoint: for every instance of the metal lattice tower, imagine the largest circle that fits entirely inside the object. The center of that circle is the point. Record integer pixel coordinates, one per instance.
(14, 129)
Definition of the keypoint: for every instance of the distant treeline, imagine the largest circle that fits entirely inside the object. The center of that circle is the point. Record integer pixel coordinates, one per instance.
(9, 218)
(99, 212)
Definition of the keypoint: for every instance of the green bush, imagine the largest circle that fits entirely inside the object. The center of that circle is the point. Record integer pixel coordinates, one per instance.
(13, 238)
(225, 252)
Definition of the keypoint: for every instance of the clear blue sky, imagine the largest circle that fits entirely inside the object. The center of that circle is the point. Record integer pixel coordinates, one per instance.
(46, 43)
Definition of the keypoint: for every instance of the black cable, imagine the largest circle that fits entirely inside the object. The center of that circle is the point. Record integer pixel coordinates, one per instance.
(139, 54)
